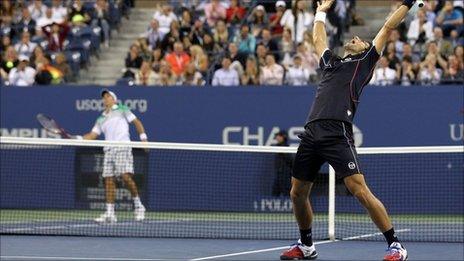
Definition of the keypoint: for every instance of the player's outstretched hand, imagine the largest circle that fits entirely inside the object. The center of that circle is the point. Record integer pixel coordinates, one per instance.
(324, 5)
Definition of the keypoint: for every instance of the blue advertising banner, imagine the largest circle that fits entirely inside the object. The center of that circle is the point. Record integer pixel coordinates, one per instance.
(392, 116)
(41, 177)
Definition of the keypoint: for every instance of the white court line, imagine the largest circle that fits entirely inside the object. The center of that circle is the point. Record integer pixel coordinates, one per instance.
(255, 251)
(374, 234)
(65, 226)
(285, 247)
(79, 258)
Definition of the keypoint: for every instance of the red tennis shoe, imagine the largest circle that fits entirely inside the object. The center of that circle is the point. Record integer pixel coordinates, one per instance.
(299, 251)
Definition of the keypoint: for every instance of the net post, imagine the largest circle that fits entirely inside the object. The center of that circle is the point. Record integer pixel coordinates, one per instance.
(331, 212)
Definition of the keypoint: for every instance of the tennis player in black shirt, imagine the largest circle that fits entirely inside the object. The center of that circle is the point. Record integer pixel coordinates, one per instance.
(328, 135)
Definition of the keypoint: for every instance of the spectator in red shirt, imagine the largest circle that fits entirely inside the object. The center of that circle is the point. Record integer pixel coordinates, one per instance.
(276, 28)
(56, 35)
(178, 60)
(235, 13)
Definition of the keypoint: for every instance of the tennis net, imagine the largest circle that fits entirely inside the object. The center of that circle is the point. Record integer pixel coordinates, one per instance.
(55, 187)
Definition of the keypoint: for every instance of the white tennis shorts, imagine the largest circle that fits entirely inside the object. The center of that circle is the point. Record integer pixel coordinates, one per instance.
(117, 161)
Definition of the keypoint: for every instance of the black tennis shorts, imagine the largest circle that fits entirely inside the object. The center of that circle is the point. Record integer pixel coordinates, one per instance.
(326, 141)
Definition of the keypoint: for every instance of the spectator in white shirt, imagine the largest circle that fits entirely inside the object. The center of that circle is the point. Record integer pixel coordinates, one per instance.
(384, 75)
(226, 76)
(272, 73)
(297, 75)
(420, 29)
(298, 19)
(153, 35)
(25, 46)
(45, 20)
(22, 75)
(37, 9)
(59, 11)
(429, 74)
(165, 18)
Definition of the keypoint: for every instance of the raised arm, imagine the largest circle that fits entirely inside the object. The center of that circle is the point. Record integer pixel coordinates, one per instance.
(319, 33)
(392, 22)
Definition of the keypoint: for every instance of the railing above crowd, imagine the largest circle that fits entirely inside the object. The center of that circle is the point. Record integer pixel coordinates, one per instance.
(224, 43)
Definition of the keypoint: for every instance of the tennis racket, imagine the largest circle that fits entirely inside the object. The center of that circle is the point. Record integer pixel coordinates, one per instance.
(51, 126)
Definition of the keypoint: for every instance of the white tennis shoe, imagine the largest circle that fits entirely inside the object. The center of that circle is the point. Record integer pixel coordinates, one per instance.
(396, 252)
(107, 218)
(139, 213)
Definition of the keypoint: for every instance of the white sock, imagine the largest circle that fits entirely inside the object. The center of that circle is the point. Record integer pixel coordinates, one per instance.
(137, 202)
(110, 208)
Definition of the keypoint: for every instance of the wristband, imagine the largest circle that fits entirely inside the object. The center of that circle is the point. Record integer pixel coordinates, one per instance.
(78, 137)
(320, 16)
(143, 136)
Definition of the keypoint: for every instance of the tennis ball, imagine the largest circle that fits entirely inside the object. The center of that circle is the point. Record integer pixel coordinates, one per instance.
(77, 18)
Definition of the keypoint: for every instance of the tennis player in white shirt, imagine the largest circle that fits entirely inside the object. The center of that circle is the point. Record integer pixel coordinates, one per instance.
(118, 162)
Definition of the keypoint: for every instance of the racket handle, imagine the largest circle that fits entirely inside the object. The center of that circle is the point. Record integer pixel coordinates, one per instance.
(420, 3)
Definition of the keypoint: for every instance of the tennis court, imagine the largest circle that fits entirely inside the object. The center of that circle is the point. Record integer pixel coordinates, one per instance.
(146, 249)
(222, 225)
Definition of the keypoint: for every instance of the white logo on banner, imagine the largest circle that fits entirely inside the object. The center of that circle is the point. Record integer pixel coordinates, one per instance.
(244, 135)
(136, 105)
(457, 132)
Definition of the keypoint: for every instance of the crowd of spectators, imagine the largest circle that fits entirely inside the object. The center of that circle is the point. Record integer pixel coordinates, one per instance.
(426, 49)
(49, 41)
(233, 42)
(259, 42)
(222, 42)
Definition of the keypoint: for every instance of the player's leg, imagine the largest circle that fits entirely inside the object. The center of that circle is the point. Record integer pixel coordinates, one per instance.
(125, 168)
(358, 187)
(130, 184)
(302, 210)
(304, 248)
(139, 209)
(342, 156)
(110, 190)
(305, 169)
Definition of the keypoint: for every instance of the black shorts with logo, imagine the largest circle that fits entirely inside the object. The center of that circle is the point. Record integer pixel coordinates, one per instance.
(326, 141)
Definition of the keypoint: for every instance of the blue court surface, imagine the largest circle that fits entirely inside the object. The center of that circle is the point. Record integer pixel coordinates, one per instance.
(146, 249)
